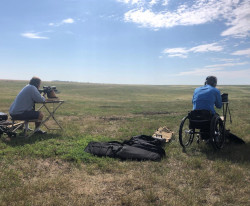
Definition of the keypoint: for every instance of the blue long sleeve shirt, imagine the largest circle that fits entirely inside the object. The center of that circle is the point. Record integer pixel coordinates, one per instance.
(25, 100)
(206, 97)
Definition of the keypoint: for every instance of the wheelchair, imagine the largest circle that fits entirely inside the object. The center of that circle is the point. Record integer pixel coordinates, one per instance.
(203, 125)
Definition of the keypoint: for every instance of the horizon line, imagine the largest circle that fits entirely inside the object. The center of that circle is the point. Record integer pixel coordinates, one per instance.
(70, 81)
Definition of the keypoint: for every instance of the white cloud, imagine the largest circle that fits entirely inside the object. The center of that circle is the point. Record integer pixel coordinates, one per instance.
(245, 52)
(165, 2)
(178, 55)
(153, 2)
(131, 1)
(182, 52)
(64, 21)
(224, 59)
(200, 72)
(228, 64)
(207, 48)
(32, 35)
(235, 13)
(175, 50)
(68, 21)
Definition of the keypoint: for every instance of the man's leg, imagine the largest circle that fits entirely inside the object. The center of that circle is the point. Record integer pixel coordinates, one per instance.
(38, 123)
(31, 115)
(40, 118)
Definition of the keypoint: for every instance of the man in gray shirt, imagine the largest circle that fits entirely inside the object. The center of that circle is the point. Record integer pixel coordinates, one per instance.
(22, 107)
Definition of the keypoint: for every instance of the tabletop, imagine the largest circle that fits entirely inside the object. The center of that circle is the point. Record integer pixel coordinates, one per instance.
(51, 101)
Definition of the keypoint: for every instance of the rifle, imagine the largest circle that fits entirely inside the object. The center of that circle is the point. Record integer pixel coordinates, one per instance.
(50, 91)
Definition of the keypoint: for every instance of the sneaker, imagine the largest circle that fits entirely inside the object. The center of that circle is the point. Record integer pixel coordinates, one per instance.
(40, 132)
(29, 130)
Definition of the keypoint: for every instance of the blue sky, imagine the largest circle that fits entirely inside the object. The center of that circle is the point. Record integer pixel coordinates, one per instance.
(126, 41)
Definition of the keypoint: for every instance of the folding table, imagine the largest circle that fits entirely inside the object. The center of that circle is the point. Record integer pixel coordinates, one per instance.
(51, 106)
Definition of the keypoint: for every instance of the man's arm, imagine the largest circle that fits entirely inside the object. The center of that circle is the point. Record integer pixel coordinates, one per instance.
(36, 96)
(218, 100)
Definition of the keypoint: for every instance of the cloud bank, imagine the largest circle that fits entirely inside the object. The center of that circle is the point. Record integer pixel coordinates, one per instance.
(221, 73)
(235, 14)
(225, 72)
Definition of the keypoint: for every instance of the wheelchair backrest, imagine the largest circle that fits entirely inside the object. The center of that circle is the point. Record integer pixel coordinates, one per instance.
(200, 119)
(200, 115)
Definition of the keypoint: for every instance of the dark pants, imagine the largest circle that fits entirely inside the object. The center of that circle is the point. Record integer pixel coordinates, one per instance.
(27, 115)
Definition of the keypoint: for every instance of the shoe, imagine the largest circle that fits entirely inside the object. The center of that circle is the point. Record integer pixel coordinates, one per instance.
(29, 130)
(40, 132)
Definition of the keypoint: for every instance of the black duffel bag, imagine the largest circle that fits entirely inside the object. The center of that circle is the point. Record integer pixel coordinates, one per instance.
(3, 116)
(107, 149)
(137, 148)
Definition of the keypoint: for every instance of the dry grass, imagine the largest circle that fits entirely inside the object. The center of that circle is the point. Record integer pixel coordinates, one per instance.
(171, 182)
(54, 170)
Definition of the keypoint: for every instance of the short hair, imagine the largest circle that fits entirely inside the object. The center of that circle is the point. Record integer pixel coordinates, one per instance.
(35, 81)
(211, 80)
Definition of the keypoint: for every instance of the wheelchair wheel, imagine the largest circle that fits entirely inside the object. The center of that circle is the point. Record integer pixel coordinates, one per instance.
(186, 135)
(217, 133)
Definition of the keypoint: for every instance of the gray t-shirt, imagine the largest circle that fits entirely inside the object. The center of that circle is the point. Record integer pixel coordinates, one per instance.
(25, 100)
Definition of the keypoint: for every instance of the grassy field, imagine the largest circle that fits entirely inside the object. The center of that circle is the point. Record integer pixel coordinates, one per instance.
(53, 169)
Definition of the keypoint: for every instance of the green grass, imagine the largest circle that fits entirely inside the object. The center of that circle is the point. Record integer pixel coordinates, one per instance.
(53, 169)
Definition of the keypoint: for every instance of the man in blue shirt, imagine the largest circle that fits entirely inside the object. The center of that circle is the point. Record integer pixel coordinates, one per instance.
(22, 107)
(207, 96)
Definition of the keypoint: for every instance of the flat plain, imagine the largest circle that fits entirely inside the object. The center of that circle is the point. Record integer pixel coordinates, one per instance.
(53, 169)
